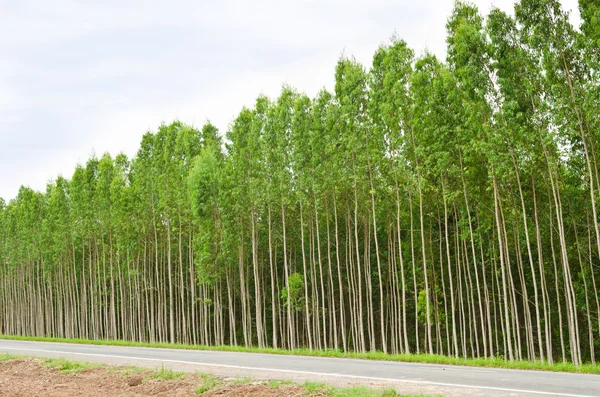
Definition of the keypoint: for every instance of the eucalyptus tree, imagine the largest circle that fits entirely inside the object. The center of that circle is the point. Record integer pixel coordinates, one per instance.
(327, 141)
(145, 188)
(164, 141)
(469, 61)
(240, 151)
(434, 93)
(324, 195)
(279, 168)
(205, 189)
(187, 146)
(59, 251)
(81, 207)
(255, 173)
(300, 160)
(106, 222)
(390, 111)
(351, 93)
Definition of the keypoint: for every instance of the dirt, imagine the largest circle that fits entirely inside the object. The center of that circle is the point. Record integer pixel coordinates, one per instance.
(30, 377)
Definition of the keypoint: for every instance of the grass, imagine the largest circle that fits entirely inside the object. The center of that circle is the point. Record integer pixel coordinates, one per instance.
(319, 389)
(128, 370)
(276, 384)
(413, 358)
(68, 366)
(8, 357)
(63, 365)
(241, 381)
(166, 374)
(207, 382)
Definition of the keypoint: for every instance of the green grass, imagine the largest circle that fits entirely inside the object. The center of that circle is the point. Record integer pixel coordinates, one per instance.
(68, 366)
(416, 358)
(8, 357)
(313, 388)
(166, 374)
(277, 384)
(241, 381)
(207, 382)
(320, 389)
(128, 370)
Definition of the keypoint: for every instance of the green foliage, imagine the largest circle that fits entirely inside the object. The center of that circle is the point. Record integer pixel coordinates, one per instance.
(422, 306)
(295, 292)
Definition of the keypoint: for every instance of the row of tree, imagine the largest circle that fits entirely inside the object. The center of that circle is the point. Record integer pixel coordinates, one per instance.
(423, 207)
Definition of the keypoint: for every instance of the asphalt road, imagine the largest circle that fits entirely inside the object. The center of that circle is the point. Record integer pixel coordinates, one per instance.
(405, 377)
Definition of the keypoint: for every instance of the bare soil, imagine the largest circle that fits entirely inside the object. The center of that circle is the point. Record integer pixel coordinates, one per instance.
(30, 377)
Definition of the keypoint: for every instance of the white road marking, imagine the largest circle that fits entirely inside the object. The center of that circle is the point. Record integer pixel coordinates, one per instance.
(291, 371)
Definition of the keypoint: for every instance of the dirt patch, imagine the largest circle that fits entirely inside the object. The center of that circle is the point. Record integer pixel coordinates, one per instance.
(31, 377)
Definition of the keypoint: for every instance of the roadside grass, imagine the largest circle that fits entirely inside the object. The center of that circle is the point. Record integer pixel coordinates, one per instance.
(245, 380)
(165, 373)
(68, 366)
(207, 382)
(376, 355)
(319, 389)
(127, 370)
(276, 384)
(5, 357)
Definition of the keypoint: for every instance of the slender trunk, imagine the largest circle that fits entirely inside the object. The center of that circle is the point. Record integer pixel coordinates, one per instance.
(307, 317)
(450, 277)
(503, 270)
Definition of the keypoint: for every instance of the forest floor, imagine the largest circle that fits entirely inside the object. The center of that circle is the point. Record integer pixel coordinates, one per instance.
(22, 377)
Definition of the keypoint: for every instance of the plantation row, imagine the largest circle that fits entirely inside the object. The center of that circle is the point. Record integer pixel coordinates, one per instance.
(424, 206)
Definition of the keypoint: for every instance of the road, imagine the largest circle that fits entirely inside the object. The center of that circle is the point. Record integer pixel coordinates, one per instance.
(405, 377)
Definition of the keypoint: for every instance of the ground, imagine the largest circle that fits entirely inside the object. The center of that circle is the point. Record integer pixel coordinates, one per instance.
(25, 377)
(34, 377)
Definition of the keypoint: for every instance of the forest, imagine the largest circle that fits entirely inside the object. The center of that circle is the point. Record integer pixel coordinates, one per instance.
(423, 206)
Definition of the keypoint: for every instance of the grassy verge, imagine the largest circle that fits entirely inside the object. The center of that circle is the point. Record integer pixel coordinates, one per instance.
(206, 382)
(63, 365)
(8, 357)
(412, 358)
(165, 373)
(68, 366)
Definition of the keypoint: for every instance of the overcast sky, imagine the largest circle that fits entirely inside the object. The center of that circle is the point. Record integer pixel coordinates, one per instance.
(89, 76)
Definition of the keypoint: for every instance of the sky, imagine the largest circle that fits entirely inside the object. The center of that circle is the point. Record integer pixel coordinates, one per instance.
(85, 77)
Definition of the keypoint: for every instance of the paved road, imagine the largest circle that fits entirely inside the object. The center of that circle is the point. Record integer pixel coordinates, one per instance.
(405, 377)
